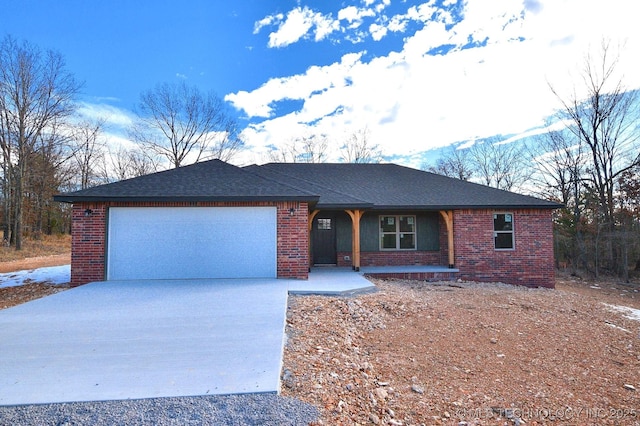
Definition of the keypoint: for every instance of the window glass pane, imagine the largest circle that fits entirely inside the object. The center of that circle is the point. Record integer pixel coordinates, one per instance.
(407, 224)
(504, 240)
(388, 223)
(407, 241)
(388, 241)
(324, 224)
(503, 222)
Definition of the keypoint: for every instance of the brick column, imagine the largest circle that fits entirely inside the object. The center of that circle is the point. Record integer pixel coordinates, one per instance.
(293, 240)
(88, 229)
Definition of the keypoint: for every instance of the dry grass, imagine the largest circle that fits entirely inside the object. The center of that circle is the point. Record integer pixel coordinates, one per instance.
(46, 246)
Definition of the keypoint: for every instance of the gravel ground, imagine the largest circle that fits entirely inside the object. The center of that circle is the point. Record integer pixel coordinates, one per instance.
(251, 409)
(462, 353)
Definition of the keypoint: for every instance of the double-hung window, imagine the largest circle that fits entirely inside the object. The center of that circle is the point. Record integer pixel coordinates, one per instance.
(397, 232)
(503, 231)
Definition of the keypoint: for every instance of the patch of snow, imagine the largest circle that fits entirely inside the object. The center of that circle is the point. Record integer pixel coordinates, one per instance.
(612, 325)
(630, 313)
(52, 274)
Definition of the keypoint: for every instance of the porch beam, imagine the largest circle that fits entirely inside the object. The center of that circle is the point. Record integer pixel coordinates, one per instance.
(355, 215)
(447, 215)
(312, 216)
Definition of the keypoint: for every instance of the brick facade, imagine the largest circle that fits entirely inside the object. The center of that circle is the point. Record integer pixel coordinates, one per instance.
(395, 258)
(88, 261)
(530, 263)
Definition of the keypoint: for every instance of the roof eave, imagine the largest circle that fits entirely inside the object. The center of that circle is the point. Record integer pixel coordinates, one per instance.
(467, 206)
(62, 198)
(343, 206)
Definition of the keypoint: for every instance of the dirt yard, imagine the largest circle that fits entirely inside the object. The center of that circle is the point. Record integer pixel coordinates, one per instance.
(418, 353)
(467, 354)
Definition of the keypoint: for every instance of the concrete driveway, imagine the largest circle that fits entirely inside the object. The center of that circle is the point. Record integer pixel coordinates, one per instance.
(141, 339)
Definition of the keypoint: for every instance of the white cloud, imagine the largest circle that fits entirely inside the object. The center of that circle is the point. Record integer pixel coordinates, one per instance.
(324, 25)
(296, 25)
(378, 31)
(354, 15)
(101, 111)
(413, 101)
(258, 102)
(266, 21)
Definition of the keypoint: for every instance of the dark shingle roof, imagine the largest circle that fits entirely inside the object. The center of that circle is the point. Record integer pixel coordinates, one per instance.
(328, 195)
(212, 180)
(331, 186)
(390, 186)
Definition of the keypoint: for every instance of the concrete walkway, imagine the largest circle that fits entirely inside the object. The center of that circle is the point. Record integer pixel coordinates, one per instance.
(141, 339)
(332, 281)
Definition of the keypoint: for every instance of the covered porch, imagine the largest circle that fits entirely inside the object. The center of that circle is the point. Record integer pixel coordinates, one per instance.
(384, 242)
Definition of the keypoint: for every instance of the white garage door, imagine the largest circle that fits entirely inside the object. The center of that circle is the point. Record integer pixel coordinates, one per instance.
(191, 242)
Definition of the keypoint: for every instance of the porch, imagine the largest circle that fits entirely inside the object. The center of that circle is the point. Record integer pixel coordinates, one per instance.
(408, 243)
(344, 281)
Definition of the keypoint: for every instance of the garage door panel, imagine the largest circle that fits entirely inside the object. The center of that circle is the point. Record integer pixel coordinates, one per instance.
(191, 242)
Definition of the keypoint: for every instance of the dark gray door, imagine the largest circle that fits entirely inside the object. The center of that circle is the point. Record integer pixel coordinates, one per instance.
(324, 240)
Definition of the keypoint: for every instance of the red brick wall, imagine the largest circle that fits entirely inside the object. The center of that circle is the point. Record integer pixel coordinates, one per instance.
(397, 258)
(529, 264)
(89, 243)
(293, 241)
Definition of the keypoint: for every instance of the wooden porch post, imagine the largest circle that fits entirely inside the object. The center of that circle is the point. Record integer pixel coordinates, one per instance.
(355, 215)
(312, 215)
(448, 219)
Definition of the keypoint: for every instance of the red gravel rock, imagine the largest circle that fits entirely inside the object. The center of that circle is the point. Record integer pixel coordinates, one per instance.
(466, 354)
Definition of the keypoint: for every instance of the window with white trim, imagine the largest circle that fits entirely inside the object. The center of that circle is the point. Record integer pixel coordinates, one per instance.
(503, 231)
(397, 232)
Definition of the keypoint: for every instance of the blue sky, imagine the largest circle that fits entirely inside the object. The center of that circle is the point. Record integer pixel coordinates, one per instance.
(419, 75)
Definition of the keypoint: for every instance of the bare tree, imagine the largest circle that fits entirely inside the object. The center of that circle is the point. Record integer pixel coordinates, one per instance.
(49, 172)
(307, 149)
(560, 163)
(35, 91)
(503, 166)
(227, 141)
(88, 147)
(181, 124)
(122, 163)
(604, 121)
(454, 163)
(357, 148)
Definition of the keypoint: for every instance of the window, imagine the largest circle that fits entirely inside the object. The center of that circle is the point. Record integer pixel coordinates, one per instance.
(503, 231)
(397, 232)
(324, 224)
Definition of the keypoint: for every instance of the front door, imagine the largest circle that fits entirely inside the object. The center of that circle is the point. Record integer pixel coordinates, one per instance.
(324, 240)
